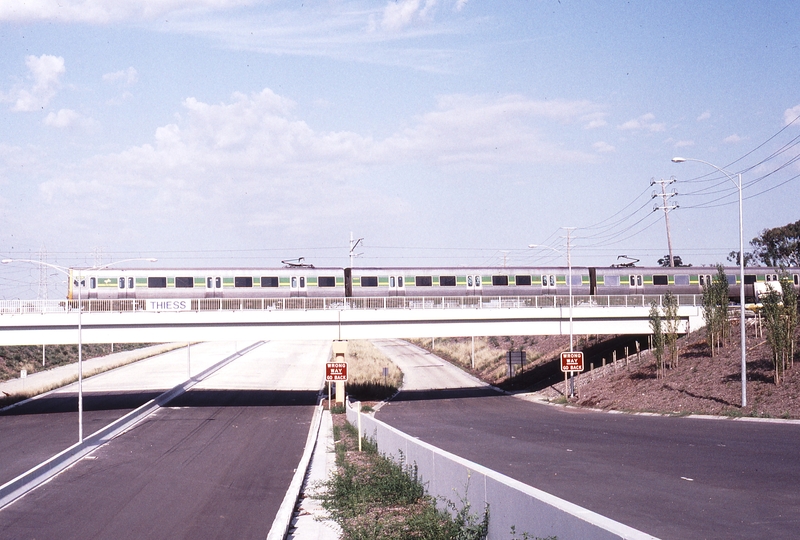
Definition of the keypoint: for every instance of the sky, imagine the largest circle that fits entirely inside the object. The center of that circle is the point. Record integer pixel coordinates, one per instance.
(441, 132)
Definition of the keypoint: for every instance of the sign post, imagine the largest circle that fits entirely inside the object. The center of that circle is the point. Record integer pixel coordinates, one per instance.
(336, 371)
(571, 362)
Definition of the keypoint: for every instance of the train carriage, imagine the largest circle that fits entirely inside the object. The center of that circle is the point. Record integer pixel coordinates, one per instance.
(288, 282)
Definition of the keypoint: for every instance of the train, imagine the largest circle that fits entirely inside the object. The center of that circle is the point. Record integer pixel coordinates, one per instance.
(308, 281)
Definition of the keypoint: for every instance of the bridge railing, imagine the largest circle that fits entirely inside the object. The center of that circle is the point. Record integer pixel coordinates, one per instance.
(376, 303)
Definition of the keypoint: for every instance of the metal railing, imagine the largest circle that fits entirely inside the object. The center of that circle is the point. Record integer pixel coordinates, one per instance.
(374, 303)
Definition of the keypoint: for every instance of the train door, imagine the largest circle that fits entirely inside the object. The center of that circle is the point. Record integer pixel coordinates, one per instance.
(213, 287)
(549, 284)
(474, 286)
(298, 286)
(636, 283)
(126, 286)
(396, 286)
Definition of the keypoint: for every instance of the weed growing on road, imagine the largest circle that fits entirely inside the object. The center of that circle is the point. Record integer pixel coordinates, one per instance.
(373, 498)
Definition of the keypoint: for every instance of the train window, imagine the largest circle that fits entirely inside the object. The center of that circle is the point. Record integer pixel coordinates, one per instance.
(544, 281)
(772, 277)
(183, 282)
(662, 279)
(302, 282)
(369, 281)
(269, 281)
(157, 282)
(477, 281)
(469, 281)
(122, 283)
(636, 281)
(796, 280)
(447, 281)
(731, 279)
(326, 281)
(209, 283)
(399, 281)
(131, 283)
(392, 282)
(499, 281)
(681, 279)
(92, 283)
(524, 281)
(705, 280)
(611, 281)
(243, 281)
(423, 281)
(749, 279)
(294, 282)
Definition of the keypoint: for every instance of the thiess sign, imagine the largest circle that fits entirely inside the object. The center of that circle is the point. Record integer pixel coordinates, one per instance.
(169, 305)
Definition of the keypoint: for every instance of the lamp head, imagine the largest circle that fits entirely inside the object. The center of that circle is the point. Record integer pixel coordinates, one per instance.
(6, 261)
(678, 160)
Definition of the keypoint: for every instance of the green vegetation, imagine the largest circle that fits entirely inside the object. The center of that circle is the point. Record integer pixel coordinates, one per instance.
(373, 498)
(779, 313)
(715, 309)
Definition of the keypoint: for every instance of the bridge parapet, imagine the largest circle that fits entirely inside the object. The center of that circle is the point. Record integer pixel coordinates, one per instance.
(306, 304)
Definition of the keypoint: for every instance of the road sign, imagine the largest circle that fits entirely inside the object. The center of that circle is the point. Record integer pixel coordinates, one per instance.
(571, 361)
(336, 371)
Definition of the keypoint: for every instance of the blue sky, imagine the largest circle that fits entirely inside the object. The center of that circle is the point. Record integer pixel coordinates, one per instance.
(443, 132)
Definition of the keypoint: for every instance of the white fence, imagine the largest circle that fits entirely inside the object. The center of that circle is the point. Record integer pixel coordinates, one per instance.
(307, 304)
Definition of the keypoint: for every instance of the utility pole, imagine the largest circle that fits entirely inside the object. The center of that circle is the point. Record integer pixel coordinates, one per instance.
(353, 246)
(666, 208)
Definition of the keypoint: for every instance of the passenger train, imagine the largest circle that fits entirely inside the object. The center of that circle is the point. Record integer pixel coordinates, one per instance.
(305, 281)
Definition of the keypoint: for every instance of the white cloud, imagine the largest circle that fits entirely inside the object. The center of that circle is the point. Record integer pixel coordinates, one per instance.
(61, 119)
(705, 116)
(104, 11)
(790, 115)
(683, 144)
(644, 122)
(398, 15)
(460, 4)
(733, 139)
(44, 73)
(602, 146)
(595, 120)
(252, 161)
(127, 77)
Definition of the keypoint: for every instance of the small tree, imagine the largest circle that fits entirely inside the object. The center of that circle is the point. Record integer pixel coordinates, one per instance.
(715, 309)
(657, 327)
(671, 327)
(779, 312)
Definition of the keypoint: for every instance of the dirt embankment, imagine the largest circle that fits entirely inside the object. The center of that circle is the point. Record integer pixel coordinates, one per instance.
(698, 384)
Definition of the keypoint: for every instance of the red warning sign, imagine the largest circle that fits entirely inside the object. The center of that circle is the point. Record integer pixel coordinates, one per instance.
(336, 371)
(571, 361)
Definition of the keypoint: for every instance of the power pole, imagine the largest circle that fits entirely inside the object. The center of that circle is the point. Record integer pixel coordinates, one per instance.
(41, 294)
(666, 208)
(353, 246)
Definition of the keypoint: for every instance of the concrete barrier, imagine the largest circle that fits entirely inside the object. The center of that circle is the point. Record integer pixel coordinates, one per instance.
(511, 503)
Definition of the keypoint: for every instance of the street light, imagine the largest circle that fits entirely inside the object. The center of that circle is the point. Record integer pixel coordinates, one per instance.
(741, 268)
(79, 282)
(569, 268)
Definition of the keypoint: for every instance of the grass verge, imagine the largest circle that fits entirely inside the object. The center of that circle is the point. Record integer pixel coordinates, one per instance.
(373, 498)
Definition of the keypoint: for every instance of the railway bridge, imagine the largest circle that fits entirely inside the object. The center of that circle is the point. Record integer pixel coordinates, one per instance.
(32, 322)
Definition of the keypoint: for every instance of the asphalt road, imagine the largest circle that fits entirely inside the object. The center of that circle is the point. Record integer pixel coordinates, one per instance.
(670, 477)
(215, 463)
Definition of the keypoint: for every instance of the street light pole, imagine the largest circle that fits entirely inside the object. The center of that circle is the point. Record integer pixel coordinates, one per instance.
(79, 282)
(569, 271)
(741, 268)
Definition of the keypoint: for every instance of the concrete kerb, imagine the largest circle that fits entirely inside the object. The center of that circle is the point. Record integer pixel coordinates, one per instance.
(19, 486)
(511, 503)
(283, 519)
